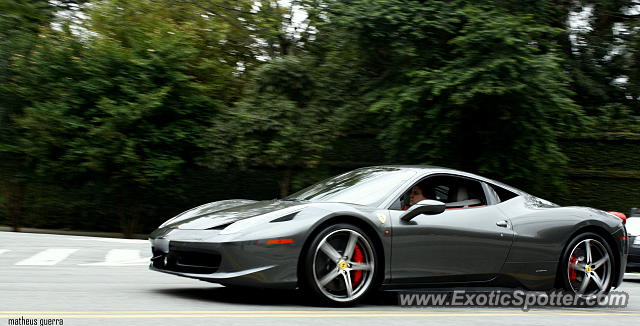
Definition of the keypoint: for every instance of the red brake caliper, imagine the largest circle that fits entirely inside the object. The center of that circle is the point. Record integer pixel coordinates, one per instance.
(572, 272)
(357, 258)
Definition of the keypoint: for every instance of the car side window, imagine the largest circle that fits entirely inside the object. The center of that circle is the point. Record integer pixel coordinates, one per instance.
(455, 192)
(502, 194)
(441, 193)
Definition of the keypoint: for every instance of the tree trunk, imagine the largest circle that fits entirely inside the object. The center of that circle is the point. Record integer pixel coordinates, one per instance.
(128, 220)
(133, 210)
(131, 225)
(15, 203)
(285, 181)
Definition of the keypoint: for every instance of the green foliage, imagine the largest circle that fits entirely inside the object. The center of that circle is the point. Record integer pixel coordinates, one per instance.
(20, 21)
(605, 52)
(469, 86)
(589, 192)
(103, 118)
(602, 154)
(118, 111)
(121, 111)
(614, 117)
(278, 123)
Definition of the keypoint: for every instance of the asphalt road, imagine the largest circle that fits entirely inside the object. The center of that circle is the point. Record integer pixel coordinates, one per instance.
(102, 281)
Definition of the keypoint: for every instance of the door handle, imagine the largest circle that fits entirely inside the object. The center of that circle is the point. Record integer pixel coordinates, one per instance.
(502, 223)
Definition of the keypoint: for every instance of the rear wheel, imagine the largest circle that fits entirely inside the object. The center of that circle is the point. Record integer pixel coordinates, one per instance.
(340, 265)
(587, 266)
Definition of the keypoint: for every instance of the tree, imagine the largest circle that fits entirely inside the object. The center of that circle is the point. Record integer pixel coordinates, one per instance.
(464, 85)
(123, 110)
(115, 101)
(279, 123)
(20, 22)
(602, 55)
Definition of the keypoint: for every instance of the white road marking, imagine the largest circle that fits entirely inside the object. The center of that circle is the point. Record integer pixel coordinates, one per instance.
(2, 251)
(48, 257)
(122, 257)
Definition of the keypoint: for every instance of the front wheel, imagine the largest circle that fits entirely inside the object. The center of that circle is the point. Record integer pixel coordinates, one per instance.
(340, 265)
(587, 265)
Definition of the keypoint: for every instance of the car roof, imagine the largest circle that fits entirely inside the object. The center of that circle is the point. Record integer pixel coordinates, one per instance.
(439, 169)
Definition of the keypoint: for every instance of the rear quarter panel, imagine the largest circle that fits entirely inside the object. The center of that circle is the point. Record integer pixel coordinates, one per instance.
(542, 231)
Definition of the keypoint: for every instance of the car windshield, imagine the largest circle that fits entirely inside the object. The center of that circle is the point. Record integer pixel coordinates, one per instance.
(367, 186)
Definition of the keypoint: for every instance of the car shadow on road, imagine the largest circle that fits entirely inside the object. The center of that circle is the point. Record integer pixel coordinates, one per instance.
(264, 297)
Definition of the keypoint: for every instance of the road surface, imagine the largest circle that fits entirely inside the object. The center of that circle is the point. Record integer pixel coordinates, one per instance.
(104, 281)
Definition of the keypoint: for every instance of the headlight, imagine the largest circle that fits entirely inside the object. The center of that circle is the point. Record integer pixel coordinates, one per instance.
(636, 242)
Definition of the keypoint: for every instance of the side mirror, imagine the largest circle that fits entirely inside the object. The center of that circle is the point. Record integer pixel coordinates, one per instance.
(428, 207)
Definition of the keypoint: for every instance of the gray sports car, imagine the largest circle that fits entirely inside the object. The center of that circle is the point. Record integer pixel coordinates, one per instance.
(395, 227)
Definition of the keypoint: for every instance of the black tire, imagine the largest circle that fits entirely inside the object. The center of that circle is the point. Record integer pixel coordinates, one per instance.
(576, 265)
(318, 266)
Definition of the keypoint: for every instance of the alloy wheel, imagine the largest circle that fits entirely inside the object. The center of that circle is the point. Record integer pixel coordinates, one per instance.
(589, 268)
(343, 265)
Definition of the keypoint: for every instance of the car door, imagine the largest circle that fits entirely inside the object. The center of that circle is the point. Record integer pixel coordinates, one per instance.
(460, 244)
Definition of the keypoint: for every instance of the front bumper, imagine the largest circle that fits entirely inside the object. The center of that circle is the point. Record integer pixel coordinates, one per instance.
(208, 256)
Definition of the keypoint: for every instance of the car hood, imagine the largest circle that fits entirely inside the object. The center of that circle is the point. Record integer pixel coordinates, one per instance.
(213, 218)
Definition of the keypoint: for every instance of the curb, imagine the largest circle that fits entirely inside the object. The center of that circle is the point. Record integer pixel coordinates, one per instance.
(73, 232)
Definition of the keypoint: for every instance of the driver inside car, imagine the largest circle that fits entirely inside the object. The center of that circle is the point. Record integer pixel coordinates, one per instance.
(416, 195)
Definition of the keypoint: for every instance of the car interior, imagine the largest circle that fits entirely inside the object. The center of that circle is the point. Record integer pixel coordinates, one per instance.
(455, 192)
